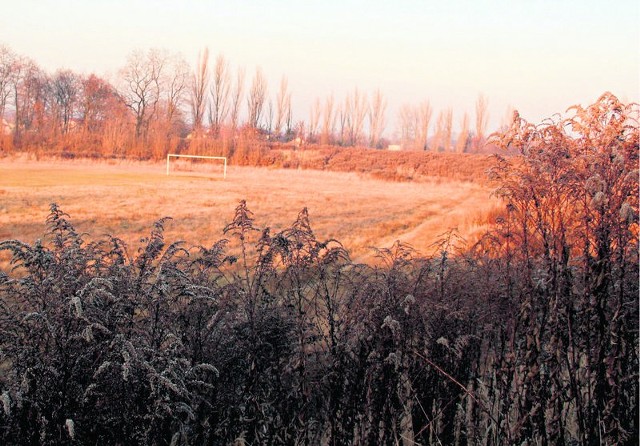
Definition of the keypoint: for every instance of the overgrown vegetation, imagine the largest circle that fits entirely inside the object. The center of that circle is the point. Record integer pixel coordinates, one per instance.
(157, 104)
(528, 337)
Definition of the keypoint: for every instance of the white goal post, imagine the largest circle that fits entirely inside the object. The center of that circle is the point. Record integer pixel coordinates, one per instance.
(224, 158)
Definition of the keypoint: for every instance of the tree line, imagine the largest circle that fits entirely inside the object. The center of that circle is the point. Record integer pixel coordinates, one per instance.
(158, 103)
(529, 336)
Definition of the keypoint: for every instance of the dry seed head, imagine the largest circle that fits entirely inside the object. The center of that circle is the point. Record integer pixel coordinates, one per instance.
(70, 425)
(24, 384)
(18, 398)
(6, 403)
(594, 184)
(390, 323)
(126, 369)
(126, 366)
(392, 359)
(618, 160)
(75, 300)
(168, 384)
(88, 334)
(102, 368)
(599, 200)
(408, 301)
(373, 356)
(626, 213)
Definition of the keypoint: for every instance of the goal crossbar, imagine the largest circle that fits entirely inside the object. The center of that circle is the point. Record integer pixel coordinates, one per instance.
(224, 158)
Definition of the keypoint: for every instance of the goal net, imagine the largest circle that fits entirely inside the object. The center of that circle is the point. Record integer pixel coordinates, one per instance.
(214, 165)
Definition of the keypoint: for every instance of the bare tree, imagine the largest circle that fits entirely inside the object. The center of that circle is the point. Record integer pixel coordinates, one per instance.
(448, 129)
(423, 120)
(7, 75)
(357, 106)
(344, 117)
(299, 131)
(376, 118)
(199, 88)
(314, 119)
(220, 91)
(168, 123)
(141, 86)
(283, 105)
(437, 143)
(269, 117)
(328, 120)
(65, 88)
(463, 137)
(30, 85)
(99, 103)
(413, 122)
(406, 121)
(289, 121)
(482, 118)
(238, 92)
(257, 96)
(177, 81)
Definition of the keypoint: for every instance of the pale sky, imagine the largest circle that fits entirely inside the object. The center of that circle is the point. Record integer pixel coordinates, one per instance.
(538, 56)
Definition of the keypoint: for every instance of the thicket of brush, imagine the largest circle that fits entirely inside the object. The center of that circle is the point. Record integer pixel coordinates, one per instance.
(528, 337)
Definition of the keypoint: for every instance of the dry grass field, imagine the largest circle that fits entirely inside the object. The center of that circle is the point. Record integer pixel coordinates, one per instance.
(125, 198)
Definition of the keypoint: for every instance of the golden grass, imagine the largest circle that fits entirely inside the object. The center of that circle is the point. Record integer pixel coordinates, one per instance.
(125, 198)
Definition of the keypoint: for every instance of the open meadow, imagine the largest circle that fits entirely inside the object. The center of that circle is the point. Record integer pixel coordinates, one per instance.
(125, 198)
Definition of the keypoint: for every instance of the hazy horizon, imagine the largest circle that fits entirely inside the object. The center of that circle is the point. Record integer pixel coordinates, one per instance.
(539, 57)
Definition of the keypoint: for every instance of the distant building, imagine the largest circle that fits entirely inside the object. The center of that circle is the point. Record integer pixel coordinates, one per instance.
(394, 147)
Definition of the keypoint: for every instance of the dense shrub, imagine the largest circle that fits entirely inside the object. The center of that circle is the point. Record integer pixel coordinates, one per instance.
(528, 337)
